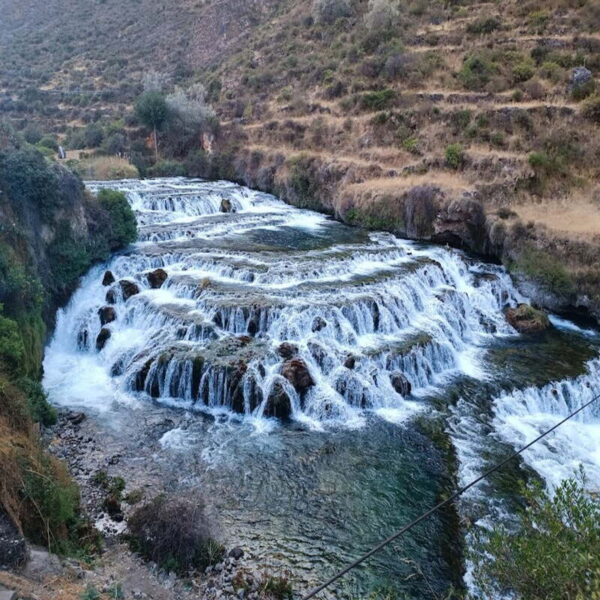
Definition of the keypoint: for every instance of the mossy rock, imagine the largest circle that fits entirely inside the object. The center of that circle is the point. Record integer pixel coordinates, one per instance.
(526, 319)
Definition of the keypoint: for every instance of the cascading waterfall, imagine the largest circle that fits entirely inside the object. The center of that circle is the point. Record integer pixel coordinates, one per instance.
(318, 335)
(235, 304)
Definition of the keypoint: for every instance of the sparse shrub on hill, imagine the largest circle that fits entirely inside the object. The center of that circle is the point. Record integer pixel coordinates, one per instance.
(382, 15)
(455, 156)
(329, 11)
(591, 109)
(477, 71)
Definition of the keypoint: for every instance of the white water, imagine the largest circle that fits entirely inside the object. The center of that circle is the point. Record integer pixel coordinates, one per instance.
(392, 305)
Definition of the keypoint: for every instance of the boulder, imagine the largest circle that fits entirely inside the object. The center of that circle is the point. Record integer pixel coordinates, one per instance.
(236, 553)
(318, 324)
(108, 278)
(526, 319)
(157, 278)
(287, 350)
(107, 315)
(297, 373)
(580, 77)
(42, 565)
(226, 206)
(400, 383)
(13, 548)
(278, 404)
(111, 296)
(129, 288)
(350, 362)
(102, 338)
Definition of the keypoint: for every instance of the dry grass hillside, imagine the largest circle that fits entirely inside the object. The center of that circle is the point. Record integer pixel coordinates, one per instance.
(465, 122)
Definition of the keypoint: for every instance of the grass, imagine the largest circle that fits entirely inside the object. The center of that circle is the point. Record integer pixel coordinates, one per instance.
(104, 168)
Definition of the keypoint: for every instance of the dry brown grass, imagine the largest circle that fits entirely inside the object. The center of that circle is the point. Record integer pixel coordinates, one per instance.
(575, 216)
(106, 168)
(445, 180)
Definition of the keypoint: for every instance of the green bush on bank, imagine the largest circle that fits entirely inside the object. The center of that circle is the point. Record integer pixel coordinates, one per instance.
(552, 553)
(123, 224)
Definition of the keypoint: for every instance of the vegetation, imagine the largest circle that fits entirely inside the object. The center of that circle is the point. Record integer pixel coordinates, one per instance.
(174, 532)
(551, 553)
(122, 219)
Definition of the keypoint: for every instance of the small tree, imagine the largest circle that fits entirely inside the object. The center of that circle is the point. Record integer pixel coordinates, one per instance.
(553, 553)
(382, 15)
(151, 109)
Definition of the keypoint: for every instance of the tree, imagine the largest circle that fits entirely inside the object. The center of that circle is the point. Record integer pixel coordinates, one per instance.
(382, 15)
(151, 109)
(552, 553)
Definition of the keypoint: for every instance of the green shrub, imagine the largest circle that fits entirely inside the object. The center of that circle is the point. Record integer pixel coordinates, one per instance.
(90, 593)
(12, 350)
(455, 156)
(279, 588)
(123, 228)
(553, 553)
(167, 168)
(39, 408)
(523, 71)
(69, 258)
(484, 25)
(476, 72)
(581, 92)
(378, 100)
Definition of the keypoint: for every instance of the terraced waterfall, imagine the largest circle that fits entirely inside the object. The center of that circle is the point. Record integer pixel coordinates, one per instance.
(305, 362)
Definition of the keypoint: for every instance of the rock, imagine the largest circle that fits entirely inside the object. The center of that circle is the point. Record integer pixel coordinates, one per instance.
(236, 553)
(157, 278)
(526, 319)
(350, 362)
(102, 338)
(77, 418)
(42, 565)
(279, 404)
(111, 296)
(108, 278)
(129, 288)
(8, 595)
(461, 224)
(318, 324)
(297, 373)
(226, 206)
(13, 548)
(287, 350)
(107, 315)
(580, 77)
(400, 383)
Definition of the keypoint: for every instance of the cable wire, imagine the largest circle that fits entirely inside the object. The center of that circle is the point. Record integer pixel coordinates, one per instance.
(453, 497)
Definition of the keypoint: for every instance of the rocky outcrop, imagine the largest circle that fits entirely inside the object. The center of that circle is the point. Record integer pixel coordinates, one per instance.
(107, 315)
(226, 206)
(400, 383)
(108, 278)
(297, 373)
(461, 223)
(287, 350)
(128, 288)
(102, 338)
(278, 403)
(13, 548)
(156, 278)
(526, 319)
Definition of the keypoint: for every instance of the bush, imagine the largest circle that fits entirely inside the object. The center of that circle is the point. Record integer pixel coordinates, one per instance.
(377, 100)
(167, 168)
(523, 71)
(39, 409)
(552, 554)
(476, 72)
(12, 350)
(123, 223)
(455, 156)
(174, 532)
(591, 109)
(545, 270)
(329, 11)
(484, 25)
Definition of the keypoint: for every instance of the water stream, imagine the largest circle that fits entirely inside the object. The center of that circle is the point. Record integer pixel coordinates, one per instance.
(306, 355)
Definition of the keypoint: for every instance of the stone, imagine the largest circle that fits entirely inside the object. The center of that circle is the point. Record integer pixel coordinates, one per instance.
(77, 418)
(236, 553)
(102, 338)
(226, 206)
(111, 296)
(400, 383)
(129, 288)
(526, 319)
(157, 278)
(318, 324)
(107, 315)
(580, 77)
(42, 565)
(350, 362)
(297, 373)
(287, 350)
(108, 278)
(8, 595)
(278, 404)
(13, 548)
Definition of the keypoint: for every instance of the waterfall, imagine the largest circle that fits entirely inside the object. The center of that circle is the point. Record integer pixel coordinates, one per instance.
(321, 330)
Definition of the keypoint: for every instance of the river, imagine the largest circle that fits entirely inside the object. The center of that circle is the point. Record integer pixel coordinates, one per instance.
(380, 339)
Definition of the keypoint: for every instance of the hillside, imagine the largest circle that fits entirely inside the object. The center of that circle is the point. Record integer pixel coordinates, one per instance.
(461, 122)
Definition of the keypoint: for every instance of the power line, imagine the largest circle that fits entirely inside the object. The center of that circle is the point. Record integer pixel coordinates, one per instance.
(453, 497)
